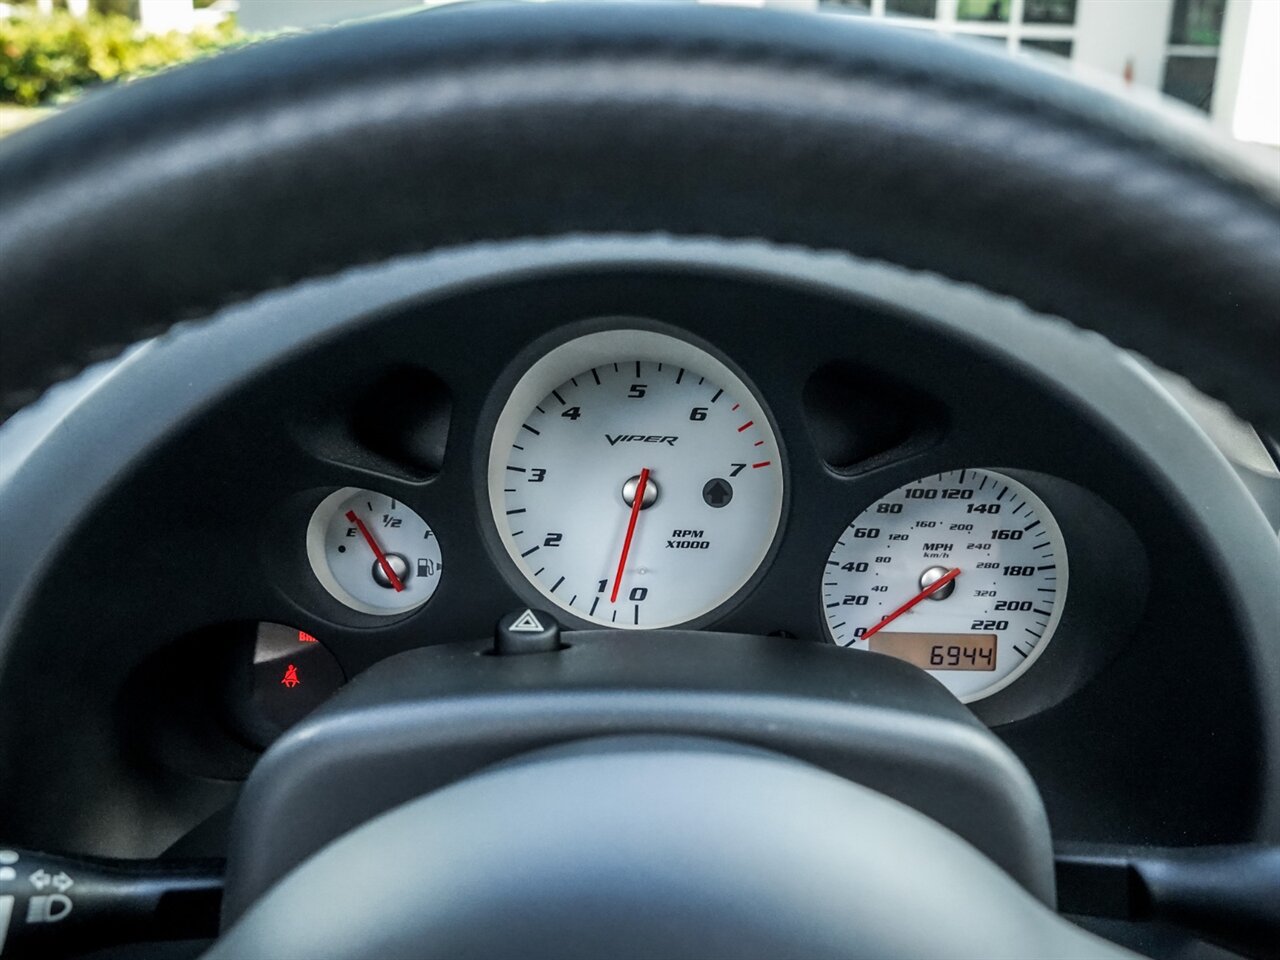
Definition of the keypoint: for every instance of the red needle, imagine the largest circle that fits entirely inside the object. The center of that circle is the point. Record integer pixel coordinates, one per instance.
(924, 594)
(377, 551)
(636, 504)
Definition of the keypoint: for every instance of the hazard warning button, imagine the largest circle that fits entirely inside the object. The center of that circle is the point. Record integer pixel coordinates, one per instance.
(526, 631)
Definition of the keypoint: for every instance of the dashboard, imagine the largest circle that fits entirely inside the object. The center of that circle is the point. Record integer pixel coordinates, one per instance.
(641, 441)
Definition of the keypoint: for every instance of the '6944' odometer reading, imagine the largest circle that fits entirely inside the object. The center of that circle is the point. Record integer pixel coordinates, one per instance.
(963, 574)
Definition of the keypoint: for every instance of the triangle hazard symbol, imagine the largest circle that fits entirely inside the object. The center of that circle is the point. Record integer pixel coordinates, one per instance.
(527, 623)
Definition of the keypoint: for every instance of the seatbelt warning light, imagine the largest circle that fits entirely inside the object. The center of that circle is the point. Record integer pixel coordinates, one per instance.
(290, 678)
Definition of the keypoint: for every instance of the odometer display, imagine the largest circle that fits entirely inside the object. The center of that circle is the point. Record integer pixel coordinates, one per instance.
(939, 651)
(963, 574)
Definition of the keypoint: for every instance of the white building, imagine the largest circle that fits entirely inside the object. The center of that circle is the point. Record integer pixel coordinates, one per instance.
(1220, 56)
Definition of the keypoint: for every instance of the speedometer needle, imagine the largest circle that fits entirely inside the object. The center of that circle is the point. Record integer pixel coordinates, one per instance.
(636, 503)
(924, 594)
(377, 551)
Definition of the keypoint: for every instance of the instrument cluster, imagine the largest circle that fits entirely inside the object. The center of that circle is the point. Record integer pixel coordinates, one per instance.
(635, 479)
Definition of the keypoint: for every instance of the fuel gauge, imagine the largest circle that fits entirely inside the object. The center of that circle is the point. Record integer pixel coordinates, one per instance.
(372, 553)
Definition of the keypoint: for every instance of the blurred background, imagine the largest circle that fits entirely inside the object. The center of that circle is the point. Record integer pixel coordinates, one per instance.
(1221, 57)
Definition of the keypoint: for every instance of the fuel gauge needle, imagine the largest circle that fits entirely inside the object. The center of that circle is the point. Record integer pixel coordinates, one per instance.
(924, 594)
(377, 551)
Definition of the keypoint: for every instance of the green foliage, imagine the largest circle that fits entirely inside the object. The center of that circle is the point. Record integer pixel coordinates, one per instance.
(43, 58)
(126, 8)
(994, 11)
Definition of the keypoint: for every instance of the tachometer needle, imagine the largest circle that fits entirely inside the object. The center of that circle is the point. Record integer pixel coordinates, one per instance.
(377, 551)
(924, 594)
(636, 503)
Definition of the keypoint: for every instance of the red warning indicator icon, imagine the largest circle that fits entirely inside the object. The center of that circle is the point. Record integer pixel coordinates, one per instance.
(290, 678)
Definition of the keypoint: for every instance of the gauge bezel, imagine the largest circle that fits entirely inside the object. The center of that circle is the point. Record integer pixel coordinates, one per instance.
(575, 349)
(1057, 541)
(316, 529)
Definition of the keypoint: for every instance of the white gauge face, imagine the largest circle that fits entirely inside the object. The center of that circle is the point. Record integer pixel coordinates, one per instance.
(635, 480)
(372, 553)
(963, 574)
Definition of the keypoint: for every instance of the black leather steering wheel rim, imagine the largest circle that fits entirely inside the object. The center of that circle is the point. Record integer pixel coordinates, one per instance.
(158, 203)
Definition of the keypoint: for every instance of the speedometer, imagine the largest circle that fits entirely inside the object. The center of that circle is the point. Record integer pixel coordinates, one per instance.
(963, 574)
(635, 480)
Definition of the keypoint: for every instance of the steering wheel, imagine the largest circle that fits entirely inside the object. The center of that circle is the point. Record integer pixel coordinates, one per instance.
(158, 204)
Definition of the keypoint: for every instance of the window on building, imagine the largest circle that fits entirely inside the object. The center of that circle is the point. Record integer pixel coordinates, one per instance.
(1191, 79)
(1191, 61)
(993, 11)
(1045, 25)
(848, 6)
(1197, 23)
(988, 40)
(911, 8)
(1049, 11)
(1059, 48)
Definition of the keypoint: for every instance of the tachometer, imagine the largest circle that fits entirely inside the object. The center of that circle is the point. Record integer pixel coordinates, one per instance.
(635, 480)
(963, 574)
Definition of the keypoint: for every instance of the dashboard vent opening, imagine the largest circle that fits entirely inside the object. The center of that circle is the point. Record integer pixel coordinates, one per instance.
(403, 418)
(856, 418)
